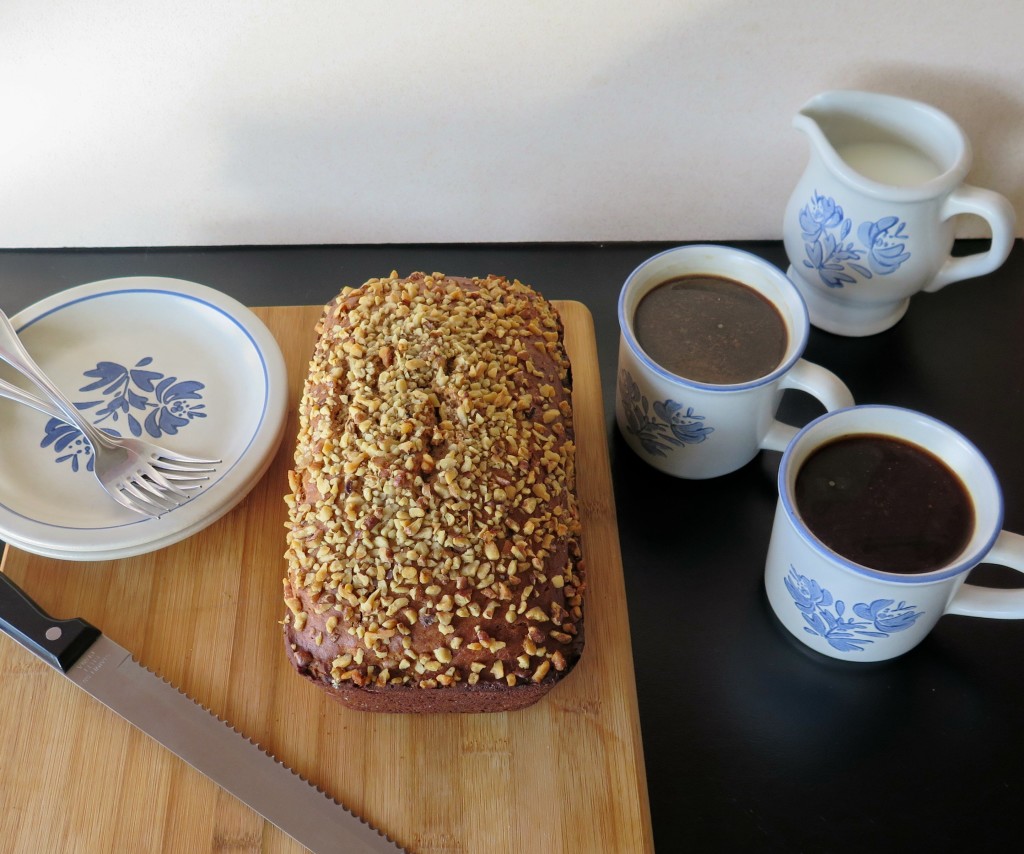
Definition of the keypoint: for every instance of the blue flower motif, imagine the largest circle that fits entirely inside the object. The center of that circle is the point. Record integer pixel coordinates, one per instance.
(886, 618)
(176, 408)
(141, 398)
(807, 593)
(685, 426)
(820, 214)
(827, 619)
(669, 427)
(69, 442)
(838, 261)
(883, 239)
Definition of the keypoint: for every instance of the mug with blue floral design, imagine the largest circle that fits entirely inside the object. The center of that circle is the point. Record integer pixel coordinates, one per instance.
(849, 610)
(693, 429)
(872, 219)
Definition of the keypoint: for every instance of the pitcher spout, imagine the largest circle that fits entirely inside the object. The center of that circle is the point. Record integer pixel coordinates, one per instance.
(809, 121)
(845, 126)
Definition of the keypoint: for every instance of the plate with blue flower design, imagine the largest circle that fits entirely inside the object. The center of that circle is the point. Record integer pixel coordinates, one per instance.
(174, 362)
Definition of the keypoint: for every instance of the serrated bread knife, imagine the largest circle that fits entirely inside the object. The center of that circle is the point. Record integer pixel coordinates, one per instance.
(107, 672)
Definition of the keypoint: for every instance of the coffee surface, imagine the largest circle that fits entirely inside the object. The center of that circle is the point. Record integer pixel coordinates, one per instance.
(884, 503)
(710, 329)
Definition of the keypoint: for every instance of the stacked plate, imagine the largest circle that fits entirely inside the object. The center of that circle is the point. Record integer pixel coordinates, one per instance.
(173, 362)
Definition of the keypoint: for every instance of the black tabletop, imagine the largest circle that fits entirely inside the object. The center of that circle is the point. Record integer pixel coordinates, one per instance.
(750, 739)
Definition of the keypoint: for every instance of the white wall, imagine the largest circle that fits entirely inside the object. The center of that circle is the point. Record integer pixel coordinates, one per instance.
(322, 121)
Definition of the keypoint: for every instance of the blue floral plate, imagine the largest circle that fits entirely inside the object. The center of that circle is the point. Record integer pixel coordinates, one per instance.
(171, 361)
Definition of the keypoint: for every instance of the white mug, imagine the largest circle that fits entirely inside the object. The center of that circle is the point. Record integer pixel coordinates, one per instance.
(871, 221)
(855, 613)
(700, 430)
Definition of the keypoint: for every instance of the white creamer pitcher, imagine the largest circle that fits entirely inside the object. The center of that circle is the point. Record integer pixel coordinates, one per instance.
(872, 219)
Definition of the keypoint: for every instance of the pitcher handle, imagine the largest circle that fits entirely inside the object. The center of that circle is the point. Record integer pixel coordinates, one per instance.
(1001, 219)
(974, 601)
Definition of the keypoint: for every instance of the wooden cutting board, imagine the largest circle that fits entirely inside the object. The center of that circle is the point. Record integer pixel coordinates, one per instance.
(564, 775)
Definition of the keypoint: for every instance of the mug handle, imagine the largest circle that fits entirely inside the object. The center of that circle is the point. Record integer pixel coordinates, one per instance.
(973, 601)
(1001, 219)
(818, 382)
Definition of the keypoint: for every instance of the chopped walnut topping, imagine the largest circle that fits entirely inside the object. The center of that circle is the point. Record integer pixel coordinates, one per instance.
(541, 671)
(432, 519)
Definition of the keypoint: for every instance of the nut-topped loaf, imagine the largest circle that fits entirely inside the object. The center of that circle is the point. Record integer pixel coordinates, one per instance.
(434, 559)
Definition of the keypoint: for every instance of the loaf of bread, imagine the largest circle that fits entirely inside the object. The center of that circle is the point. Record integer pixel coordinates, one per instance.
(433, 540)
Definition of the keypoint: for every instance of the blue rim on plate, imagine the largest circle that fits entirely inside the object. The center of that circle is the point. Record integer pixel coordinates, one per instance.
(175, 362)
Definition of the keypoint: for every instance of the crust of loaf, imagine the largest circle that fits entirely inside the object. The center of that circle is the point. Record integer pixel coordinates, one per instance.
(433, 537)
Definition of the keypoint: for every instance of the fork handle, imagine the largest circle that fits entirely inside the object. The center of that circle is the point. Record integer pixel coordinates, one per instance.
(14, 353)
(12, 392)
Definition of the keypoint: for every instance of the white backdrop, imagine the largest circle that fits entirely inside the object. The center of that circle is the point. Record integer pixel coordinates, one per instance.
(323, 121)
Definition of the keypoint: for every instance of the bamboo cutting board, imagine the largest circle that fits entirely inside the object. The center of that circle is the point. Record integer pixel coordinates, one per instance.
(564, 775)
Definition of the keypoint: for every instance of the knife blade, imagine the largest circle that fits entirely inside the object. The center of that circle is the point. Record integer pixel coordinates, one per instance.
(108, 672)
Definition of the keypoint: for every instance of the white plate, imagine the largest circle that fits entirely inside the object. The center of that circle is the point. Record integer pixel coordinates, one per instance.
(183, 365)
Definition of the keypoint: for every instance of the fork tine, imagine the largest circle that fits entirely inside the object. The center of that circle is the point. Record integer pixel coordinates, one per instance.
(134, 499)
(180, 475)
(174, 456)
(152, 483)
(142, 486)
(176, 465)
(135, 504)
(181, 483)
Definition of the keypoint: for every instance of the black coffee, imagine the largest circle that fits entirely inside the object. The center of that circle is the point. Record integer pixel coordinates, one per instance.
(884, 503)
(710, 329)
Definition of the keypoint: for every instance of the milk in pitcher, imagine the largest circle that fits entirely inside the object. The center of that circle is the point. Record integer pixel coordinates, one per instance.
(890, 163)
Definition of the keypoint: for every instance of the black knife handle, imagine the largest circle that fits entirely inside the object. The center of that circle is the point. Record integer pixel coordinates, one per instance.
(60, 643)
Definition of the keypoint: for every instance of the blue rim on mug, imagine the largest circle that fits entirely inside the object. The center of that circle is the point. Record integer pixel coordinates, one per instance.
(626, 325)
(965, 561)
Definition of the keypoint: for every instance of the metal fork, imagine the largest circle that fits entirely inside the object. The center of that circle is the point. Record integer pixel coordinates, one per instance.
(137, 474)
